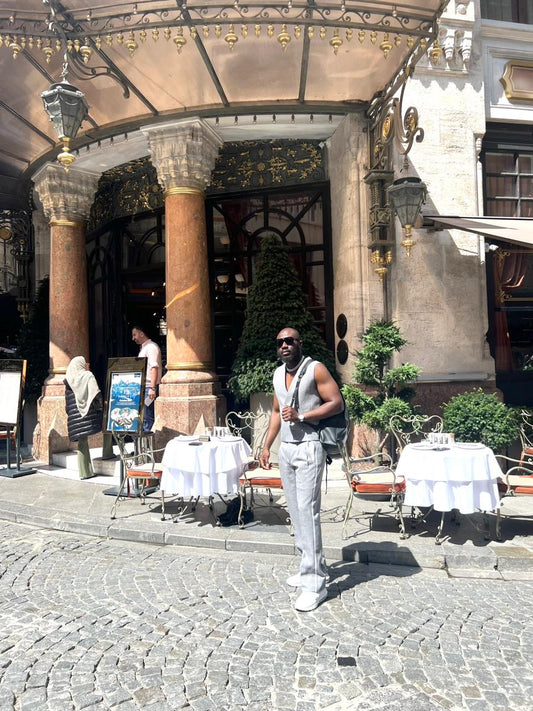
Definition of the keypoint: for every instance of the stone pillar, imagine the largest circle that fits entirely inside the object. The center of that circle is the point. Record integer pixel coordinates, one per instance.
(66, 199)
(184, 154)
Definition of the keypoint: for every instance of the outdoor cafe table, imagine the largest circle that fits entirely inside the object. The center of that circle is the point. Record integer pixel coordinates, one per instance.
(192, 468)
(460, 476)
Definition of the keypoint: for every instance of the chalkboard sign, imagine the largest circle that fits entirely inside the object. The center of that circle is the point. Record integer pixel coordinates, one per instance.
(12, 376)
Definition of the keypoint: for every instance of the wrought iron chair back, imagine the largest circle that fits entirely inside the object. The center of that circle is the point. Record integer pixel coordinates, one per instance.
(517, 480)
(526, 437)
(414, 428)
(253, 427)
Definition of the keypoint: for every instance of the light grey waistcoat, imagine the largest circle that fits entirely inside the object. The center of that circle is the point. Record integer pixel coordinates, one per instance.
(308, 397)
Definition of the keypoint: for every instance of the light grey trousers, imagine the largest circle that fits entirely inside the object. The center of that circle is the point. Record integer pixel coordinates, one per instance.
(301, 467)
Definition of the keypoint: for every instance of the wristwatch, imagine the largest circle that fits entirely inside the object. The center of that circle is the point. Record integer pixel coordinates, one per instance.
(301, 417)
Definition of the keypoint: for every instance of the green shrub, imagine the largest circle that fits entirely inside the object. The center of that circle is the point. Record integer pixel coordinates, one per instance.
(274, 301)
(357, 402)
(477, 416)
(379, 417)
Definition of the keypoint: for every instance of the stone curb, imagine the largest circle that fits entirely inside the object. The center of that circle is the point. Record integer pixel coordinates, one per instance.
(493, 561)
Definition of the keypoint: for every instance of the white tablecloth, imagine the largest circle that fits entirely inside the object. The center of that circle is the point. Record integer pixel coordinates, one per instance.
(455, 478)
(209, 468)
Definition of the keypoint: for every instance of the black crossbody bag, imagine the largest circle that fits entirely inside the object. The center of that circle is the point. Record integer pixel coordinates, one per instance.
(332, 431)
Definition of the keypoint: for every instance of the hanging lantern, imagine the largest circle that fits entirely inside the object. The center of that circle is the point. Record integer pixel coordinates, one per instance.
(67, 108)
(406, 197)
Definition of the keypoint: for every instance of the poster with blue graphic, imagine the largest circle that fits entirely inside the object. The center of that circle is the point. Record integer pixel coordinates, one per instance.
(125, 389)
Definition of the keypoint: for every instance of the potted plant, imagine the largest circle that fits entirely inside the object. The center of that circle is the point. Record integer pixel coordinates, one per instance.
(391, 387)
(477, 416)
(275, 301)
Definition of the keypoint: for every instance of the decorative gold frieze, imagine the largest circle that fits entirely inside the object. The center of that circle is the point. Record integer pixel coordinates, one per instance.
(517, 80)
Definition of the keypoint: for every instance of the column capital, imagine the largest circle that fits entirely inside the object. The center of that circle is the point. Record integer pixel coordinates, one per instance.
(183, 153)
(66, 197)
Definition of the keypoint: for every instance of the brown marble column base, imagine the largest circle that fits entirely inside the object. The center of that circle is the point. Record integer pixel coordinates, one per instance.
(183, 403)
(50, 434)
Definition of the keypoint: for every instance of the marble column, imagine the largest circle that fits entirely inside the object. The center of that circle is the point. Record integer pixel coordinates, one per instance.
(184, 154)
(66, 199)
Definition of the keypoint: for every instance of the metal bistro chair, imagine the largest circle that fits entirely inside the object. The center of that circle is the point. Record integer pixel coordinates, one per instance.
(137, 466)
(526, 437)
(516, 481)
(373, 478)
(409, 430)
(253, 428)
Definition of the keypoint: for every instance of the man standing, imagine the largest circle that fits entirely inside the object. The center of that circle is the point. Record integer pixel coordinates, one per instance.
(302, 458)
(152, 353)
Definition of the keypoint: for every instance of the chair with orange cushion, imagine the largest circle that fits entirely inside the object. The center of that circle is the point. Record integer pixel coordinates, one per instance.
(517, 480)
(138, 465)
(253, 426)
(374, 478)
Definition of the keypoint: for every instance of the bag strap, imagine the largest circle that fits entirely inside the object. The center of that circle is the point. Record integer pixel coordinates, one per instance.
(295, 402)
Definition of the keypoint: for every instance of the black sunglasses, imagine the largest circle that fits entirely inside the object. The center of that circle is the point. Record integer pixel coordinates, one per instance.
(289, 340)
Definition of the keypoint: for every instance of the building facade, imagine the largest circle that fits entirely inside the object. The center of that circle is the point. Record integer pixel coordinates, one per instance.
(160, 220)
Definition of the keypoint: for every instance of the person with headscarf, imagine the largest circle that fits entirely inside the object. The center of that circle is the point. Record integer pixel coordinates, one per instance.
(83, 404)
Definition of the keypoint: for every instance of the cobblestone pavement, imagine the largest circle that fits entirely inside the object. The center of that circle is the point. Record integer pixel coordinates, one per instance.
(95, 624)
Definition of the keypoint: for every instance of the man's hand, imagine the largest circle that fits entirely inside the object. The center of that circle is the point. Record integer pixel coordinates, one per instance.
(289, 414)
(264, 459)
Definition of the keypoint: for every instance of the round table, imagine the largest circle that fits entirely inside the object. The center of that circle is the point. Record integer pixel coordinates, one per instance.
(463, 477)
(192, 468)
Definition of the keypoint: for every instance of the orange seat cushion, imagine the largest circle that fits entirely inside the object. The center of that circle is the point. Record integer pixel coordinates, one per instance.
(377, 488)
(145, 474)
(264, 481)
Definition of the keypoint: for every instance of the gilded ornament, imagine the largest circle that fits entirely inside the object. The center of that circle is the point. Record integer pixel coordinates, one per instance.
(257, 30)
(297, 32)
(335, 42)
(435, 53)
(1, 40)
(218, 30)
(15, 48)
(39, 43)
(311, 32)
(120, 38)
(109, 40)
(284, 37)
(322, 33)
(30, 42)
(155, 35)
(48, 52)
(193, 32)
(231, 38)
(98, 42)
(58, 45)
(85, 52)
(244, 31)
(142, 35)
(77, 45)
(349, 34)
(373, 37)
(179, 40)
(386, 45)
(410, 42)
(205, 31)
(131, 44)
(361, 36)
(270, 30)
(167, 33)
(397, 40)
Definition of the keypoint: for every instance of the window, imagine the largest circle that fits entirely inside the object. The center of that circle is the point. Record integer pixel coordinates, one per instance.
(509, 183)
(508, 10)
(236, 224)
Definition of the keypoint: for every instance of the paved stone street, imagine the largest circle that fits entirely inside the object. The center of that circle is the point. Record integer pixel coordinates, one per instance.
(95, 624)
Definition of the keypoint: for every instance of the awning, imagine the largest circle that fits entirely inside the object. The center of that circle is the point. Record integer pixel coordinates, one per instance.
(518, 230)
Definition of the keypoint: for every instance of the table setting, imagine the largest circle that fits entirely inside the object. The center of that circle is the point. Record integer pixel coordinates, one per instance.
(446, 475)
(204, 465)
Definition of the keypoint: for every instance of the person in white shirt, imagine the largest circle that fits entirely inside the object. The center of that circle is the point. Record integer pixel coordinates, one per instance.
(152, 353)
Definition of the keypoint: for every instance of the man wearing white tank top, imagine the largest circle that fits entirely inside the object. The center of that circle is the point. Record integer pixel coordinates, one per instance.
(302, 457)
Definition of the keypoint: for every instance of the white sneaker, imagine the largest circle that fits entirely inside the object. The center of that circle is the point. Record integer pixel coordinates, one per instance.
(308, 601)
(294, 580)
